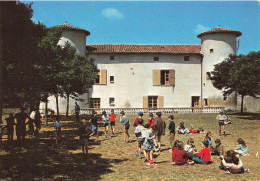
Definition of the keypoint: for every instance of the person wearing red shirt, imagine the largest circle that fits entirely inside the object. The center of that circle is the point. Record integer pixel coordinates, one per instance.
(204, 154)
(151, 120)
(113, 121)
(181, 156)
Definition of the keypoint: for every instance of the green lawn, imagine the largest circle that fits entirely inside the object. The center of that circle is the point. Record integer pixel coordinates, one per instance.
(111, 159)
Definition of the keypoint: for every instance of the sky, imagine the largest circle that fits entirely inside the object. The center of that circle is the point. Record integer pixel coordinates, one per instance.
(154, 22)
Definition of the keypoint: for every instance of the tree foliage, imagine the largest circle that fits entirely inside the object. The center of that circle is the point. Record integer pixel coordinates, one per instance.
(238, 73)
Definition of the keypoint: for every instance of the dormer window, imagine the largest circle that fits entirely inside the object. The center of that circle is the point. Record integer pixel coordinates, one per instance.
(155, 58)
(186, 58)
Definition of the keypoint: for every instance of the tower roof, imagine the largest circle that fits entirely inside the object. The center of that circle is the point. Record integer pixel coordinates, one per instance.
(220, 30)
(67, 26)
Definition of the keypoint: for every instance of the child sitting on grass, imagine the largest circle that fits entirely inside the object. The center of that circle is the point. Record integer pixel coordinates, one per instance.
(242, 148)
(138, 134)
(57, 126)
(231, 163)
(181, 129)
(84, 133)
(174, 151)
(181, 156)
(203, 156)
(190, 148)
(149, 146)
(216, 150)
(208, 138)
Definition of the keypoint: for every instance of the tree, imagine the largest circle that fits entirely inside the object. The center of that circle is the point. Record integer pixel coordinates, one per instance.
(238, 73)
(19, 39)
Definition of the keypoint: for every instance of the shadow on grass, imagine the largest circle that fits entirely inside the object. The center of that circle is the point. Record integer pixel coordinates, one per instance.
(42, 159)
(247, 116)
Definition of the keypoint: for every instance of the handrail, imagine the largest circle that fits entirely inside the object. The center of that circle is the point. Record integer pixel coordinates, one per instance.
(176, 110)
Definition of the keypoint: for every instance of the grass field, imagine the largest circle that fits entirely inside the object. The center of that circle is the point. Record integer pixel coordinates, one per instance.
(111, 159)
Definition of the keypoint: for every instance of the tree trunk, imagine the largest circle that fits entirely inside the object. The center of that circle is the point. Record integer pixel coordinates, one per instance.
(1, 59)
(68, 104)
(242, 103)
(46, 111)
(57, 106)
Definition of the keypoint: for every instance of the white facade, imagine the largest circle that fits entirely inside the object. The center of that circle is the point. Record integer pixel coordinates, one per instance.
(134, 76)
(133, 79)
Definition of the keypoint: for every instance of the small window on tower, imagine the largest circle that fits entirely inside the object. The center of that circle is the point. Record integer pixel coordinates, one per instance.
(211, 50)
(155, 58)
(112, 57)
(186, 58)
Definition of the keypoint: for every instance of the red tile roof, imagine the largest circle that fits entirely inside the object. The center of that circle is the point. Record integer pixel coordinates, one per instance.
(220, 30)
(67, 26)
(131, 48)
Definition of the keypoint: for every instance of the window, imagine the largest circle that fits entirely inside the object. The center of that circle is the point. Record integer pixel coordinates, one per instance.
(94, 102)
(165, 80)
(111, 101)
(211, 50)
(195, 101)
(164, 77)
(224, 98)
(112, 57)
(111, 79)
(152, 101)
(206, 102)
(186, 58)
(97, 81)
(155, 58)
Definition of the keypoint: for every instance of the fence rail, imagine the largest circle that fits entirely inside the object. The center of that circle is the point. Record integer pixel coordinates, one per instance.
(182, 110)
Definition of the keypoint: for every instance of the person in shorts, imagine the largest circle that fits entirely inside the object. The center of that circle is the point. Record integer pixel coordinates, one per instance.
(138, 134)
(221, 122)
(94, 124)
(57, 126)
(125, 121)
(84, 133)
(105, 118)
(171, 130)
(113, 121)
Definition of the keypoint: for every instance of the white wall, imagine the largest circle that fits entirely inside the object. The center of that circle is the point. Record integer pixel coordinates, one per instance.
(222, 45)
(133, 79)
(78, 39)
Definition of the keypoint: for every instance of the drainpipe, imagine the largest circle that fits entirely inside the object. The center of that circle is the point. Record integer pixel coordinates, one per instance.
(201, 79)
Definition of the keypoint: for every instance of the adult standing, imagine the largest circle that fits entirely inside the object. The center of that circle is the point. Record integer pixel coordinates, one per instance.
(160, 125)
(77, 110)
(21, 126)
(37, 123)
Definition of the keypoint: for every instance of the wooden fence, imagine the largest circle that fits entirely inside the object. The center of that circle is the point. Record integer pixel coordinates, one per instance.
(152, 110)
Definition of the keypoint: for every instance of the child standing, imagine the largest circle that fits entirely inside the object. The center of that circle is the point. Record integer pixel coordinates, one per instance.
(112, 121)
(94, 124)
(148, 146)
(138, 134)
(21, 118)
(221, 121)
(151, 120)
(242, 148)
(171, 130)
(124, 120)
(10, 127)
(140, 116)
(57, 126)
(105, 119)
(160, 129)
(84, 133)
(204, 154)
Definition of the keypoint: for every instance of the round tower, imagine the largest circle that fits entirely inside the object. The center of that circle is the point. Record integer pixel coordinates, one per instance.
(77, 37)
(216, 45)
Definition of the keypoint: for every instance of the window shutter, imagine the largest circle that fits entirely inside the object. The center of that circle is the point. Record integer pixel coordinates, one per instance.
(172, 77)
(160, 102)
(145, 103)
(103, 76)
(156, 77)
(208, 103)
